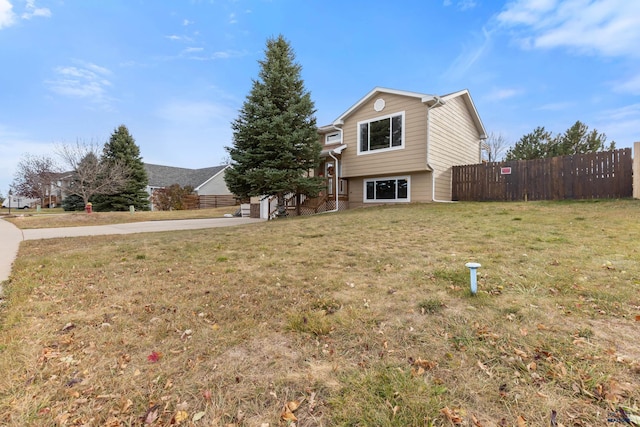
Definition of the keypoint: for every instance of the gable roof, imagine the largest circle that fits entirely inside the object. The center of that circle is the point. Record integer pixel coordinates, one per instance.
(164, 176)
(427, 99)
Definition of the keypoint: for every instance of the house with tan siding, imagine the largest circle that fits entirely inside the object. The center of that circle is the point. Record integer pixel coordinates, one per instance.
(396, 146)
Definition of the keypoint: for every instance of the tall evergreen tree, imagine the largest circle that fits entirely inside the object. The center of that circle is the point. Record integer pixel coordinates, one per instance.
(541, 144)
(121, 148)
(578, 140)
(534, 145)
(275, 139)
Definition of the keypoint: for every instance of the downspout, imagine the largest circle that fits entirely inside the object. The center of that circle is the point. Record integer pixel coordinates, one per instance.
(438, 102)
(337, 168)
(335, 209)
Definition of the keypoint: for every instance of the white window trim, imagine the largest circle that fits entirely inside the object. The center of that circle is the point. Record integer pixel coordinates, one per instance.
(326, 138)
(386, 178)
(375, 119)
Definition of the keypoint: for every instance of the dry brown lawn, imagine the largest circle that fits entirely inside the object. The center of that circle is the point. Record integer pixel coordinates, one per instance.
(362, 318)
(30, 219)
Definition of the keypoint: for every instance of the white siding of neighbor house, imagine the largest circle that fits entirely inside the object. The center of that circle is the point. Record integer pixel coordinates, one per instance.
(454, 140)
(215, 186)
(376, 163)
(420, 189)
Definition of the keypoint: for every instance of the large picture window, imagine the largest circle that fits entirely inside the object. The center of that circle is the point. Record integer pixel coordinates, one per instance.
(394, 189)
(382, 133)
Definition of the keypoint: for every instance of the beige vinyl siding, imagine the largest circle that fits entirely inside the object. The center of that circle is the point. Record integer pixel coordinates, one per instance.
(375, 163)
(419, 182)
(215, 186)
(454, 140)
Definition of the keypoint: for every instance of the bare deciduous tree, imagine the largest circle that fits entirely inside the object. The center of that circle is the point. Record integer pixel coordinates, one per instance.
(494, 147)
(35, 176)
(88, 175)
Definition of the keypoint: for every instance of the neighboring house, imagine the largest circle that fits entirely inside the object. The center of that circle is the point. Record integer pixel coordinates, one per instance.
(395, 146)
(205, 182)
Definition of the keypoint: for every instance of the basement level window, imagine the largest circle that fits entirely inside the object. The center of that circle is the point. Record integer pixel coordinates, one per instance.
(392, 189)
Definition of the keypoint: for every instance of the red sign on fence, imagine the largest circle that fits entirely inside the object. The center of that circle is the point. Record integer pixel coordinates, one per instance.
(505, 171)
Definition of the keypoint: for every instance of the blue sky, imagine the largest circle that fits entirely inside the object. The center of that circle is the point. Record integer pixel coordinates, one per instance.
(176, 72)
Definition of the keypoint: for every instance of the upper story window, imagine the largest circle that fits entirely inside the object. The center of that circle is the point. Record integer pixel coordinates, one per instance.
(381, 133)
(333, 138)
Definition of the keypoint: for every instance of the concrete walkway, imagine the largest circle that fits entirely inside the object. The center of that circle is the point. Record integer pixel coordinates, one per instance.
(11, 236)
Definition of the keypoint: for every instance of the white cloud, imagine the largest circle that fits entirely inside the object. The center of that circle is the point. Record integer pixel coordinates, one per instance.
(198, 54)
(32, 10)
(556, 106)
(86, 80)
(630, 86)
(185, 39)
(620, 124)
(461, 4)
(603, 27)
(628, 112)
(186, 22)
(501, 94)
(469, 56)
(7, 17)
(233, 19)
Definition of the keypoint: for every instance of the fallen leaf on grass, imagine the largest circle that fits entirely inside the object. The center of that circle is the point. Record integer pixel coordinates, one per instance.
(425, 364)
(452, 415)
(154, 356)
(287, 415)
(68, 326)
(179, 417)
(520, 353)
(198, 416)
(126, 405)
(476, 422)
(151, 415)
(288, 410)
(521, 421)
(608, 265)
(484, 369)
(614, 391)
(293, 405)
(638, 318)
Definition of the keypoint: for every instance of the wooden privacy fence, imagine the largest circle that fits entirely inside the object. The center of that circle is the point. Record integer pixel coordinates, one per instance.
(606, 174)
(217, 201)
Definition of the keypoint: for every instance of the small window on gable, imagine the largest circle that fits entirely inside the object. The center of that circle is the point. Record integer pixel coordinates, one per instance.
(333, 138)
(382, 133)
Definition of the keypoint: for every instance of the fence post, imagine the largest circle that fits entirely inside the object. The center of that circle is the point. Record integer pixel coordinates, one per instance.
(636, 170)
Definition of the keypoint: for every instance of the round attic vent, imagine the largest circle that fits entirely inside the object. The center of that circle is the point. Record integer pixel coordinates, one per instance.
(379, 104)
